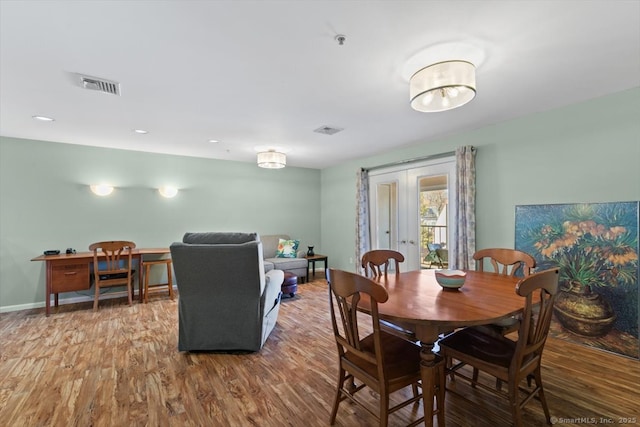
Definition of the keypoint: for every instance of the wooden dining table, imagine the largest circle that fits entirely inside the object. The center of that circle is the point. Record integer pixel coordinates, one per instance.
(419, 304)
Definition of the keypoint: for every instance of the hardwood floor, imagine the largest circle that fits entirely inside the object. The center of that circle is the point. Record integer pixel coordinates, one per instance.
(121, 367)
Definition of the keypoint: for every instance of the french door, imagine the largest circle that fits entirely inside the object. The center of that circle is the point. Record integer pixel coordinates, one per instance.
(409, 211)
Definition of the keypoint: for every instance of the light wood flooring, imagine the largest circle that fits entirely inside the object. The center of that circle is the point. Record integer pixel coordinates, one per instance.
(121, 367)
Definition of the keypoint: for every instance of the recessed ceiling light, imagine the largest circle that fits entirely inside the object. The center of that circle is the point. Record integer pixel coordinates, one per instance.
(215, 141)
(43, 118)
(141, 131)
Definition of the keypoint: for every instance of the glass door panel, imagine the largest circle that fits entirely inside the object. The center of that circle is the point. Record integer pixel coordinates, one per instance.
(409, 212)
(386, 229)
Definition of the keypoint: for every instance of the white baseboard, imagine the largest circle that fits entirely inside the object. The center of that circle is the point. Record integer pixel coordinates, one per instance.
(70, 300)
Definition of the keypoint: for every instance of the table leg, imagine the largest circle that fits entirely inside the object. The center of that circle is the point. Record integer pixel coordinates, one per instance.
(140, 280)
(431, 369)
(47, 286)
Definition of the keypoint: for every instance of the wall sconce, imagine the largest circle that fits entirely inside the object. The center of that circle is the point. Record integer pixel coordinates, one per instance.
(168, 191)
(101, 189)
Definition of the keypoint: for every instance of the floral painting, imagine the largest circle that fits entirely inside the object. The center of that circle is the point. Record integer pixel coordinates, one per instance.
(595, 245)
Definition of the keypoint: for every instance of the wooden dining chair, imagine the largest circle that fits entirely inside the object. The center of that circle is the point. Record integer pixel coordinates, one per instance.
(505, 261)
(507, 360)
(112, 266)
(510, 262)
(377, 262)
(381, 361)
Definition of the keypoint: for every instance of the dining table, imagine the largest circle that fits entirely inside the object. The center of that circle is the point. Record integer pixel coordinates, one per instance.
(419, 304)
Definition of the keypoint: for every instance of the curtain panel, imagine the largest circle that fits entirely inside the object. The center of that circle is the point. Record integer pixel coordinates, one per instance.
(465, 230)
(362, 217)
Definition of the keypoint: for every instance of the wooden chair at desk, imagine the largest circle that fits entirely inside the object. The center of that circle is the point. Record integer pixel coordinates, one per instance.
(117, 267)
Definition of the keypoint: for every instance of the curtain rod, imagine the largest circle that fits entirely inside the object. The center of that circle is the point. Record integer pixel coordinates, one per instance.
(414, 160)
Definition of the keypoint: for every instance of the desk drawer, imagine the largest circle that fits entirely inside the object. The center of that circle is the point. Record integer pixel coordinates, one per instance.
(70, 277)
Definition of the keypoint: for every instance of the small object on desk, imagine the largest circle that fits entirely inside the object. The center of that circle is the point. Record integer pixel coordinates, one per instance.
(52, 252)
(450, 279)
(70, 251)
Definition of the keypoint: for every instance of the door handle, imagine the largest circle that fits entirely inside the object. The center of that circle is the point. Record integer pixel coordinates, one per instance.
(403, 241)
(412, 242)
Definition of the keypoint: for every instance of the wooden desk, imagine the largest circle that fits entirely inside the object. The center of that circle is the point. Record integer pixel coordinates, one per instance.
(72, 272)
(418, 303)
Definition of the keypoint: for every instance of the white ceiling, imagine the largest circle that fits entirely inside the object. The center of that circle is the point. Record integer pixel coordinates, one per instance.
(265, 74)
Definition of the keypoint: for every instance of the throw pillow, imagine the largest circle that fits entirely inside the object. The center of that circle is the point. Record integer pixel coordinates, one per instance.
(287, 248)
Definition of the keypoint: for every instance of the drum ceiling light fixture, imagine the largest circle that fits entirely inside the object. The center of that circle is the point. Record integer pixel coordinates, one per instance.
(442, 86)
(272, 159)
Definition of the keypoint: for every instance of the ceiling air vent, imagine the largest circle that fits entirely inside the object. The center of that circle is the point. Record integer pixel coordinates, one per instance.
(100, 85)
(328, 130)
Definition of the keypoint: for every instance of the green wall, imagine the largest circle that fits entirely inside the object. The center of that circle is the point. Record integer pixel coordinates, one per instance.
(46, 204)
(588, 152)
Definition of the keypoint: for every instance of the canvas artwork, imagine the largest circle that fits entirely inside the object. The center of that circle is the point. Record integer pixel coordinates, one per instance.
(595, 245)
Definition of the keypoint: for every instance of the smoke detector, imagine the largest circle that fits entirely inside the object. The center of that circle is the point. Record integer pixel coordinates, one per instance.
(328, 130)
(99, 84)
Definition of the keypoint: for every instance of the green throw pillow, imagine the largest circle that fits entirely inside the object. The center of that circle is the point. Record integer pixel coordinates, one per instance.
(287, 248)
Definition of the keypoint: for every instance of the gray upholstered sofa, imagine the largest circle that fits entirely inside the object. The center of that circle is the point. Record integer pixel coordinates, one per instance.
(227, 301)
(297, 266)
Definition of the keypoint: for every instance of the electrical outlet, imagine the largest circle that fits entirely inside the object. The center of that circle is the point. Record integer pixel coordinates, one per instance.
(350, 260)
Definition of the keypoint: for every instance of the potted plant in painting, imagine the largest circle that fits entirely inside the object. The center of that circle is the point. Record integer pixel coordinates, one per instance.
(592, 252)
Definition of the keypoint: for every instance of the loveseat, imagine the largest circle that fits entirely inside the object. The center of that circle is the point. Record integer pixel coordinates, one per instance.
(227, 301)
(297, 265)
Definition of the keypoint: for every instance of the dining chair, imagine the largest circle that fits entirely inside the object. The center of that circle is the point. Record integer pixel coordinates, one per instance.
(381, 361)
(112, 266)
(507, 360)
(510, 262)
(377, 262)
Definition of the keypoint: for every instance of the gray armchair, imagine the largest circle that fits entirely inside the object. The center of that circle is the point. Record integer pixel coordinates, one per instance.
(227, 302)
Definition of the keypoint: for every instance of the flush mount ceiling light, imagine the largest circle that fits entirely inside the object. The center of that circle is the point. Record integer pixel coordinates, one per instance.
(442, 86)
(272, 159)
(101, 189)
(168, 191)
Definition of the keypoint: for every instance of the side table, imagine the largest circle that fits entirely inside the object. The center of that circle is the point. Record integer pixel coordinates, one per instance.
(312, 259)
